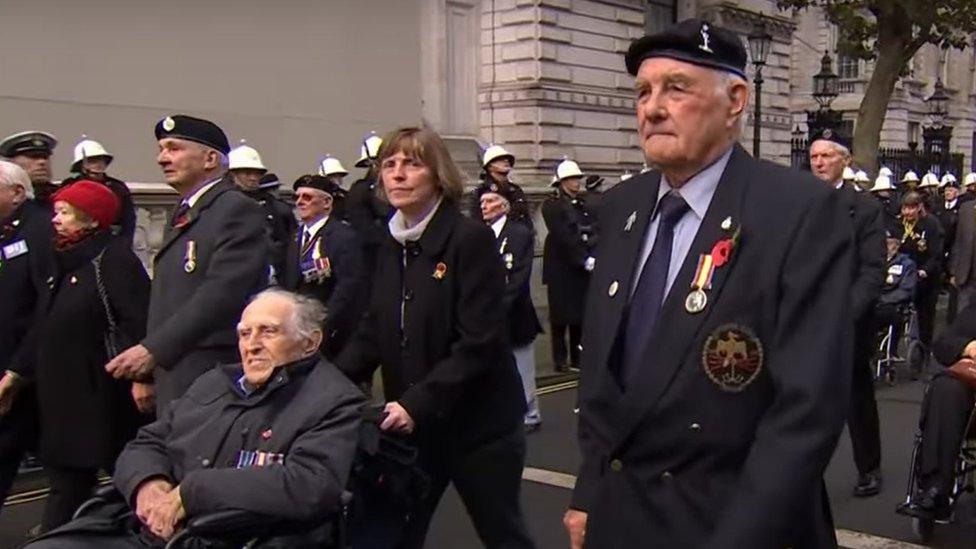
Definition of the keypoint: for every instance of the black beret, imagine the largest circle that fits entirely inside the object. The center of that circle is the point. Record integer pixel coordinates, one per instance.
(201, 131)
(508, 193)
(692, 41)
(319, 182)
(834, 136)
(25, 142)
(594, 182)
(269, 181)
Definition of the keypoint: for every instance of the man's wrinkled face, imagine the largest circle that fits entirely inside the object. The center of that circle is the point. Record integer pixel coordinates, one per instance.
(951, 193)
(37, 164)
(892, 244)
(312, 204)
(266, 338)
(683, 113)
(11, 196)
(493, 206)
(826, 162)
(185, 163)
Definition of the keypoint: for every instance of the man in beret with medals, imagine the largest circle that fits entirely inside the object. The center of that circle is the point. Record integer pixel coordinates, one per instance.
(325, 261)
(829, 156)
(214, 257)
(717, 349)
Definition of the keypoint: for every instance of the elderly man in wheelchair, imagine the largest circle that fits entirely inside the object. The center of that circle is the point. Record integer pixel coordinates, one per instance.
(261, 449)
(943, 458)
(897, 293)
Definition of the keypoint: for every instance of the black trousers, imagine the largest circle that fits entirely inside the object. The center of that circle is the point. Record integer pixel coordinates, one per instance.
(862, 416)
(18, 435)
(488, 478)
(70, 487)
(926, 298)
(559, 351)
(945, 415)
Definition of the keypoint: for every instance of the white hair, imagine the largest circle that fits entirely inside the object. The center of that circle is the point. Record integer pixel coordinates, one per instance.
(308, 314)
(13, 175)
(726, 80)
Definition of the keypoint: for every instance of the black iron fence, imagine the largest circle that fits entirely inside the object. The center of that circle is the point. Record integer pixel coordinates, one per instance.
(899, 160)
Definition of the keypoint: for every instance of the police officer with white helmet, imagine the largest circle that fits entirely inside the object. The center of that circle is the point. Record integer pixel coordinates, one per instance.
(91, 160)
(496, 165)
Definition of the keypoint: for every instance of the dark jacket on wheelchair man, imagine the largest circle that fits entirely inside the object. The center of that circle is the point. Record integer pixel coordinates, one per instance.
(901, 277)
(283, 451)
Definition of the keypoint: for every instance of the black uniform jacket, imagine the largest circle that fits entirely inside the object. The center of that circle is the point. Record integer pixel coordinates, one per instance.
(961, 258)
(366, 212)
(564, 256)
(949, 220)
(924, 246)
(338, 281)
(515, 244)
(26, 262)
(204, 274)
(436, 327)
(284, 451)
(869, 241)
(125, 222)
(86, 416)
(279, 222)
(723, 440)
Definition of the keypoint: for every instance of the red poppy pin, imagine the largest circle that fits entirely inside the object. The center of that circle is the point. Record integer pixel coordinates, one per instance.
(181, 222)
(722, 250)
(440, 270)
(266, 434)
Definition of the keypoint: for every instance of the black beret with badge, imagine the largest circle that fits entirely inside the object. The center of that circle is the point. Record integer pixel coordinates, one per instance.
(319, 182)
(27, 142)
(269, 181)
(832, 135)
(198, 130)
(693, 41)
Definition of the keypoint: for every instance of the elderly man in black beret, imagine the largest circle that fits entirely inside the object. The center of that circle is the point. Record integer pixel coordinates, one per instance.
(32, 150)
(325, 261)
(213, 259)
(716, 358)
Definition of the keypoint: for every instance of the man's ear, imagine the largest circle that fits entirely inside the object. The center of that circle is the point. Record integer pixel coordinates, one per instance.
(738, 97)
(212, 159)
(314, 341)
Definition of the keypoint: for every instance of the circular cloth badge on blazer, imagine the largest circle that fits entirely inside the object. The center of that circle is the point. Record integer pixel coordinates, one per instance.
(732, 357)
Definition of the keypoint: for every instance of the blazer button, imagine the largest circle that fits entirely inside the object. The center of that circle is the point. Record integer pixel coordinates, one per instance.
(404, 341)
(695, 427)
(408, 295)
(667, 477)
(616, 466)
(205, 463)
(415, 251)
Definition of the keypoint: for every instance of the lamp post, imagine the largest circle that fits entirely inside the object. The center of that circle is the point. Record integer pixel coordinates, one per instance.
(938, 134)
(759, 43)
(824, 92)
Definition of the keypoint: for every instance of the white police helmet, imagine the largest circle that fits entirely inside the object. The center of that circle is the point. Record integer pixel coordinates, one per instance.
(330, 165)
(88, 148)
(245, 158)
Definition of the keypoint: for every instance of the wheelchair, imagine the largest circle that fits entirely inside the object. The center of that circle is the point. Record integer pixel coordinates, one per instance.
(239, 529)
(885, 363)
(963, 481)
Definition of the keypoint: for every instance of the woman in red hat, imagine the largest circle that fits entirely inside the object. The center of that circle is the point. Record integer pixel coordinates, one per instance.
(86, 416)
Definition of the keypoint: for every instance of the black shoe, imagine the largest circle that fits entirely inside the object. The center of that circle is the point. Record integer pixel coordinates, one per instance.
(926, 505)
(868, 484)
(532, 427)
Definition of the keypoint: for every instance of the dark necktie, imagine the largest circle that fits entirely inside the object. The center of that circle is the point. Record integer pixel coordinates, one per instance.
(645, 305)
(179, 215)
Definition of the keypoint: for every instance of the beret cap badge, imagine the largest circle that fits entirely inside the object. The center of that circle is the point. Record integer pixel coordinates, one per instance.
(169, 123)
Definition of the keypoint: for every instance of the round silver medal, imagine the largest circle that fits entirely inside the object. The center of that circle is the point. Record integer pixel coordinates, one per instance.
(696, 301)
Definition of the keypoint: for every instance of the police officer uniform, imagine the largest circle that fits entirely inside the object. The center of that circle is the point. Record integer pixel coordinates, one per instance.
(125, 222)
(519, 205)
(325, 261)
(332, 168)
(710, 423)
(26, 263)
(887, 195)
(213, 258)
(565, 254)
(32, 142)
(364, 209)
(947, 212)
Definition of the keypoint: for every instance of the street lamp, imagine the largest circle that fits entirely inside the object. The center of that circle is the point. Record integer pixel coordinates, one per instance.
(938, 104)
(938, 135)
(825, 84)
(760, 42)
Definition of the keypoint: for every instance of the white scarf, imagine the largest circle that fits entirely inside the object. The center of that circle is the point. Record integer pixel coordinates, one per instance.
(402, 234)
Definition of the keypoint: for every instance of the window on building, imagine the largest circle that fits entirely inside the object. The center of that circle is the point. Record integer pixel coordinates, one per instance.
(847, 128)
(659, 15)
(914, 132)
(847, 66)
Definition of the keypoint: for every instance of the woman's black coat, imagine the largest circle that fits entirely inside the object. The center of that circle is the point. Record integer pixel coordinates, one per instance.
(450, 366)
(86, 416)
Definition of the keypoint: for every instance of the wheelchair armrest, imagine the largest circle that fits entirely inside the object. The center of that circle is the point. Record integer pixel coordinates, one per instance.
(102, 496)
(107, 492)
(237, 522)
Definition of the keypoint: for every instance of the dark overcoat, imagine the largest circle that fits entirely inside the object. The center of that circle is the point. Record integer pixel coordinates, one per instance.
(564, 256)
(516, 246)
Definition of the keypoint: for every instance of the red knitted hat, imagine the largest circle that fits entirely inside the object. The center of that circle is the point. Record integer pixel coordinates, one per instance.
(95, 199)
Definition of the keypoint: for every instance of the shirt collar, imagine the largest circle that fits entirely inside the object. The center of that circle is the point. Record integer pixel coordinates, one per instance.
(498, 225)
(698, 190)
(317, 225)
(193, 198)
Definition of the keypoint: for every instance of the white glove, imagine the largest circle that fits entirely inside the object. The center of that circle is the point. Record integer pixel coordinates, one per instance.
(589, 264)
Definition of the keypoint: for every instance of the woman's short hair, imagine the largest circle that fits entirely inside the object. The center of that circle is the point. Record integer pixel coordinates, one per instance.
(426, 146)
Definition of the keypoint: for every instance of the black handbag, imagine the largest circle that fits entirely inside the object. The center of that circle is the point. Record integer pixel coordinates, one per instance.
(115, 340)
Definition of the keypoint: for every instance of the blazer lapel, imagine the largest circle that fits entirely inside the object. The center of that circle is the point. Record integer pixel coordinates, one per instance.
(677, 328)
(193, 214)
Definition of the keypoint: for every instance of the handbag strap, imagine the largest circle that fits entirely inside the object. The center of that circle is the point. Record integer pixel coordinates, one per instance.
(102, 293)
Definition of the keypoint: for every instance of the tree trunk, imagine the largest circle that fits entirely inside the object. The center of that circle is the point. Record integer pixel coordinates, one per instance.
(874, 105)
